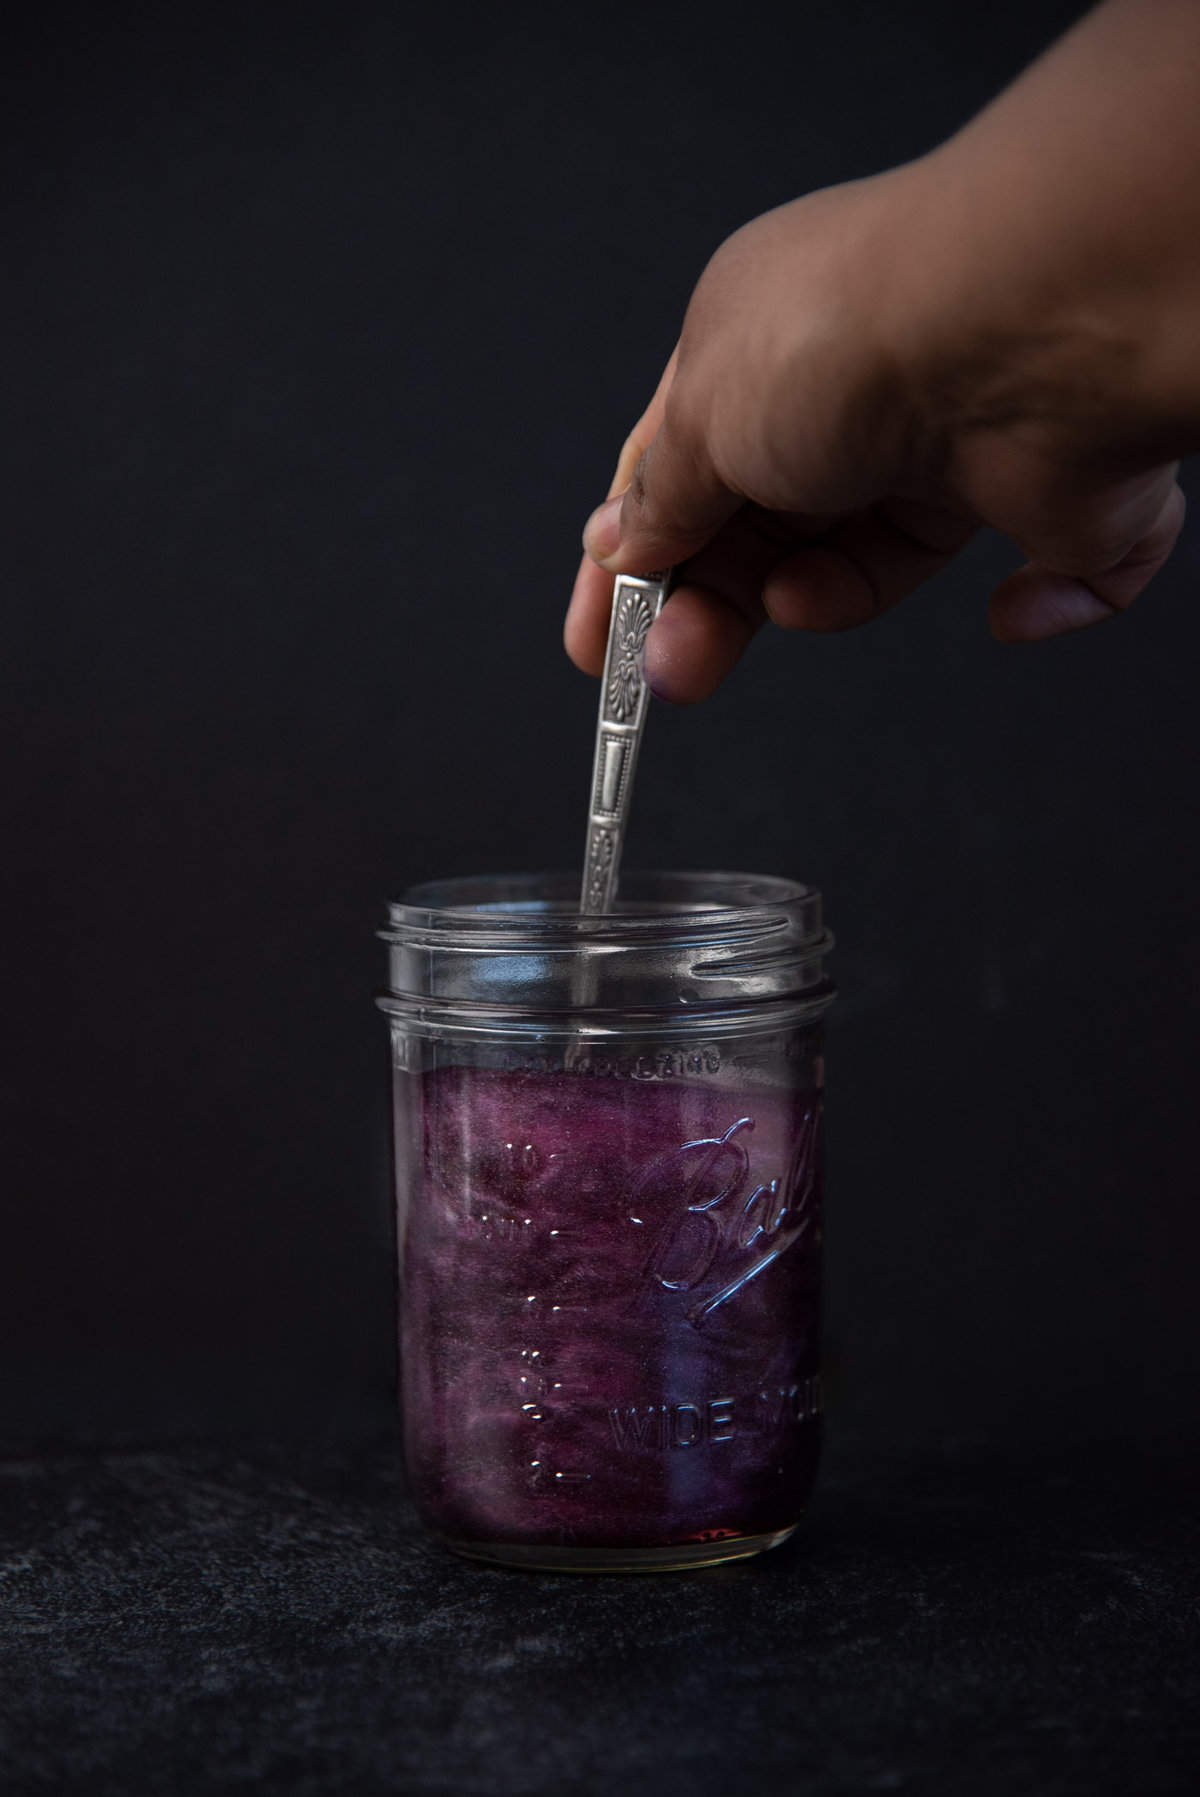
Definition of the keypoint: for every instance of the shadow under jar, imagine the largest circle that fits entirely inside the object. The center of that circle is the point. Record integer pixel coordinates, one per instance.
(608, 1183)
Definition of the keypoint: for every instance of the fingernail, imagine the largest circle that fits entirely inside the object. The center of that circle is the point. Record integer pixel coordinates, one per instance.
(656, 669)
(602, 533)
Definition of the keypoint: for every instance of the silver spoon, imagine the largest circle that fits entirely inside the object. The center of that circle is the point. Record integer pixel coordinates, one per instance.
(624, 698)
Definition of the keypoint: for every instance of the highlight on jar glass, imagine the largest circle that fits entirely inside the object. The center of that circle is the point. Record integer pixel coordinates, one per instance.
(608, 1186)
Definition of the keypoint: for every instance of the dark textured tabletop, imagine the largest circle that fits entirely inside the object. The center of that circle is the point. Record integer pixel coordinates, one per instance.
(213, 1617)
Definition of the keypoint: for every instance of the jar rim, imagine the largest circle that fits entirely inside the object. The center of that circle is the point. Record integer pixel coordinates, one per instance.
(651, 905)
(491, 948)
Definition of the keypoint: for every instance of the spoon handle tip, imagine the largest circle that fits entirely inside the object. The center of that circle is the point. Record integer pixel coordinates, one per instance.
(624, 698)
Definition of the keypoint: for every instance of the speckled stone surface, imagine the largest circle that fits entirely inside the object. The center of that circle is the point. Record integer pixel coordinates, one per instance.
(213, 1617)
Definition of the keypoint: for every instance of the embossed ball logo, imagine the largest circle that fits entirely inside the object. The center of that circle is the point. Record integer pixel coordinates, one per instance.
(717, 1236)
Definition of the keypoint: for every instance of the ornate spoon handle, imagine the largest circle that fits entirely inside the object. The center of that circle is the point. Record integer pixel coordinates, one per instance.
(637, 601)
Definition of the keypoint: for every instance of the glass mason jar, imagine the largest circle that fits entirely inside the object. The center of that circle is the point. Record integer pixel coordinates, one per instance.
(608, 1181)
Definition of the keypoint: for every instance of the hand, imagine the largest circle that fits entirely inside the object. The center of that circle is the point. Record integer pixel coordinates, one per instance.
(868, 375)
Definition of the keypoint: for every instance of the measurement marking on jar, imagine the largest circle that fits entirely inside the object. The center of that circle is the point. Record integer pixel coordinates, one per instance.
(544, 1479)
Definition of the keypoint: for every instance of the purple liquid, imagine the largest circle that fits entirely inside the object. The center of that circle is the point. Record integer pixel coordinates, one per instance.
(609, 1329)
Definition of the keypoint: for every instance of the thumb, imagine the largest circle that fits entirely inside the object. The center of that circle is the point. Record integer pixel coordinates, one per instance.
(675, 501)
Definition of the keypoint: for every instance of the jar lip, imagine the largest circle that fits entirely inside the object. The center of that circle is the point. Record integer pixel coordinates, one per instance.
(651, 904)
(677, 942)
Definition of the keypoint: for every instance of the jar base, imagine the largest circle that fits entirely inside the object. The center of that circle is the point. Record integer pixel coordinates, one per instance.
(684, 1556)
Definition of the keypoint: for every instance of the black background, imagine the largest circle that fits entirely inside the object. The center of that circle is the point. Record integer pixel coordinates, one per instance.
(322, 331)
